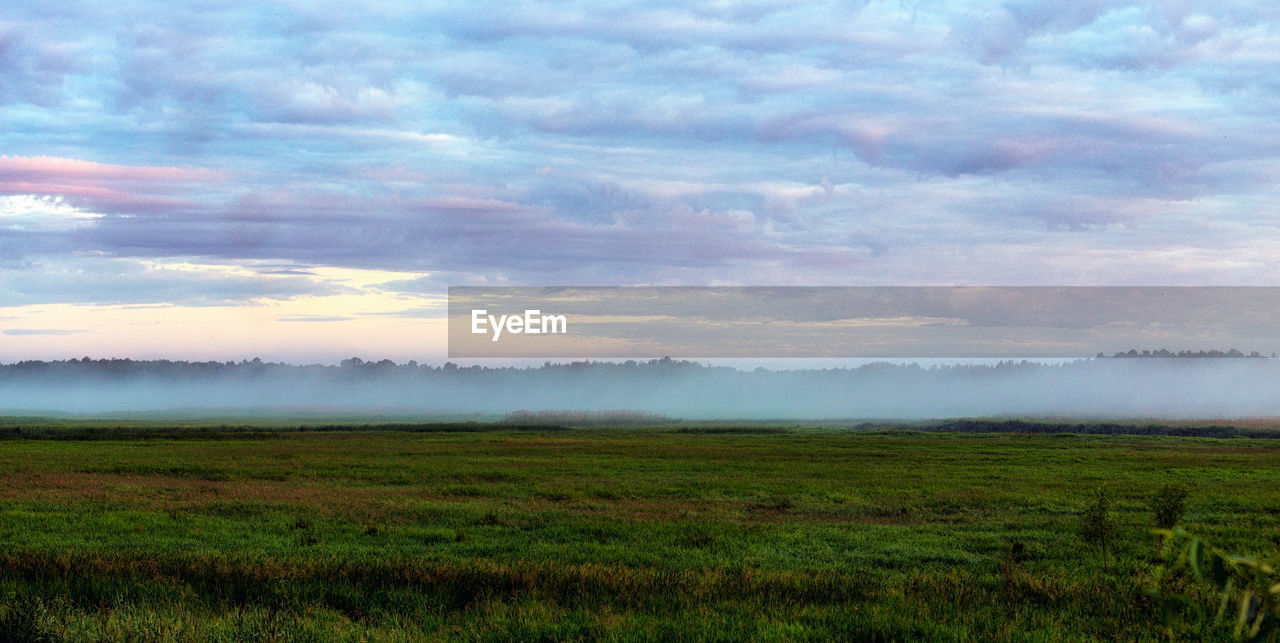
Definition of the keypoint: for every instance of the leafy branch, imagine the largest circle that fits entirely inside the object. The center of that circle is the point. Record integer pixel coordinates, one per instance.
(1248, 588)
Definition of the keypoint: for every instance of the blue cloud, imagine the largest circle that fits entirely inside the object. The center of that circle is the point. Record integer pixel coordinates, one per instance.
(99, 280)
(763, 142)
(25, 332)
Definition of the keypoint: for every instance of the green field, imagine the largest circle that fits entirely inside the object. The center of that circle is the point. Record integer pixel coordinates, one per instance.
(481, 533)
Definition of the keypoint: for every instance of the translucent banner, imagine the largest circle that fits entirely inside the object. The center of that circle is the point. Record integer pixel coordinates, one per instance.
(827, 322)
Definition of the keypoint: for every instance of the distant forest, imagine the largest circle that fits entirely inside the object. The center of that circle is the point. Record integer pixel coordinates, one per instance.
(1167, 353)
(1140, 388)
(116, 367)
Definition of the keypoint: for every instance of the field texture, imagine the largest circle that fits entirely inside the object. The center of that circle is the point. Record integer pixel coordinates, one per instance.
(610, 533)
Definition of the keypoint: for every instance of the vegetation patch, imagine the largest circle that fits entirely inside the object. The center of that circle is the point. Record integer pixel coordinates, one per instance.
(636, 533)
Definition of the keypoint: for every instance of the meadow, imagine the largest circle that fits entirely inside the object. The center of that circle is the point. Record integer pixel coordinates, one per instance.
(471, 531)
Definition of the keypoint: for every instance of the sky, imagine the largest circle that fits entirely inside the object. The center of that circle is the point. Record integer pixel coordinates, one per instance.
(303, 181)
(834, 323)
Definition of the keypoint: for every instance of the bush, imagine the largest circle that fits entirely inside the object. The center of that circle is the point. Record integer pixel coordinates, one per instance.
(1168, 504)
(1248, 588)
(1096, 524)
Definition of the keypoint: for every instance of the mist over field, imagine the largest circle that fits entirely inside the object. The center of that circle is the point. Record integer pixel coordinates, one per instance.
(1172, 388)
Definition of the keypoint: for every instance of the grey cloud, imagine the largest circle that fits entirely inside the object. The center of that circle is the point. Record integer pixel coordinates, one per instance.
(26, 332)
(90, 280)
(418, 312)
(589, 201)
(32, 70)
(995, 34)
(460, 233)
(288, 271)
(314, 318)
(948, 134)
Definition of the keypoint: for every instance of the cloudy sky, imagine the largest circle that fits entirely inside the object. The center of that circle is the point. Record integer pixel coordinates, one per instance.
(302, 182)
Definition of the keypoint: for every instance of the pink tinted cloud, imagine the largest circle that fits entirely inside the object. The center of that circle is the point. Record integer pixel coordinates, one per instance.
(45, 168)
(115, 188)
(466, 204)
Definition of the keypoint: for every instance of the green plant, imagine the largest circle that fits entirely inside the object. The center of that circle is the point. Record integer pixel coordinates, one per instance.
(1247, 587)
(1097, 526)
(1169, 503)
(729, 535)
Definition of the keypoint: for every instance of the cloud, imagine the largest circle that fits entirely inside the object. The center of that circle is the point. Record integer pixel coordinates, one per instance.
(63, 170)
(765, 142)
(421, 312)
(34, 70)
(100, 280)
(23, 332)
(314, 102)
(100, 186)
(314, 318)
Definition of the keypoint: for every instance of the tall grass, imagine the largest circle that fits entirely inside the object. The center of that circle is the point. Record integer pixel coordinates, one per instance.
(609, 534)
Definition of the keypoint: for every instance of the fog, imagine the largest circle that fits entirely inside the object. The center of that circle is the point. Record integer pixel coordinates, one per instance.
(1172, 388)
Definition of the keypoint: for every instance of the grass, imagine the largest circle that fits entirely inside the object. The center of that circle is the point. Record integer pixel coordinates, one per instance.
(628, 534)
